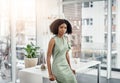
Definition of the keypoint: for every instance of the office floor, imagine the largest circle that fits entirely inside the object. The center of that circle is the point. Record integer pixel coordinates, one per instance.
(83, 78)
(90, 77)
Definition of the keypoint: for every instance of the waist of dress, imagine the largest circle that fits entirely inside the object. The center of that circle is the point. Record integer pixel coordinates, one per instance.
(60, 63)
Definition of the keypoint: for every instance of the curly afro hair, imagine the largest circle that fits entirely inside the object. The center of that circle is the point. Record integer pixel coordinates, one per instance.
(55, 25)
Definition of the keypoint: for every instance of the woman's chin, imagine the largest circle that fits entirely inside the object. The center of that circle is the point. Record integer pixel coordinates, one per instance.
(61, 33)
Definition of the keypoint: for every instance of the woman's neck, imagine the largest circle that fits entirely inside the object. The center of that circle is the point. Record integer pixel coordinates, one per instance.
(60, 36)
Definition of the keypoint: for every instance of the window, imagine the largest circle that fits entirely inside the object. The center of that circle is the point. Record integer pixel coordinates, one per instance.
(113, 2)
(88, 39)
(87, 21)
(91, 4)
(91, 21)
(113, 19)
(113, 40)
(87, 4)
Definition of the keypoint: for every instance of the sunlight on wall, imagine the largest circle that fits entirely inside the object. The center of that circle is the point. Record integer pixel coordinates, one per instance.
(4, 6)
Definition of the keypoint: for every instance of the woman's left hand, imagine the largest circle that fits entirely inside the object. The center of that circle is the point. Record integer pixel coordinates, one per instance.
(73, 71)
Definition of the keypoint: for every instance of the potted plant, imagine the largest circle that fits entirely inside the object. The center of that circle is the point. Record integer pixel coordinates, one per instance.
(31, 55)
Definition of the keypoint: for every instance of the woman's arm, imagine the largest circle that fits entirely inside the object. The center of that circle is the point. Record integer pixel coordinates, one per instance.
(68, 60)
(49, 53)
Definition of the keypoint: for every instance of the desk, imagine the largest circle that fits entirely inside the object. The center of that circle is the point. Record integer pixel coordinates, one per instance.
(80, 66)
(35, 75)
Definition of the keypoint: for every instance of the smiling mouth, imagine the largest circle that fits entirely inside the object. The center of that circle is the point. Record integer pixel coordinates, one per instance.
(62, 32)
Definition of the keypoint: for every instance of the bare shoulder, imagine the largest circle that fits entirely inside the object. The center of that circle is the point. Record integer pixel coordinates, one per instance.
(52, 41)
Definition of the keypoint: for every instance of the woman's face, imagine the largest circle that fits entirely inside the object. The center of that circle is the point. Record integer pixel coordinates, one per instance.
(62, 29)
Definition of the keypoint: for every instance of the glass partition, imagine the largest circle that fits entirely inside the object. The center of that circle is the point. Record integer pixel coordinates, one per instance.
(88, 29)
(72, 12)
(91, 21)
(5, 42)
(93, 31)
(24, 13)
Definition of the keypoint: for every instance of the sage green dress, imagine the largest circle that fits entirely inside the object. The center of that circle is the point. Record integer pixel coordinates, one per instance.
(60, 66)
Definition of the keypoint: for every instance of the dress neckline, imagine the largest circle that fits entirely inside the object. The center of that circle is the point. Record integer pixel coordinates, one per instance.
(60, 37)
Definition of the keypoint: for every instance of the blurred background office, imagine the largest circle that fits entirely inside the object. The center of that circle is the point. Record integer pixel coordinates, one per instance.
(96, 32)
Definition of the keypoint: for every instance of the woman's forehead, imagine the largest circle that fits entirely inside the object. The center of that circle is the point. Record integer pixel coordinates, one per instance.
(63, 24)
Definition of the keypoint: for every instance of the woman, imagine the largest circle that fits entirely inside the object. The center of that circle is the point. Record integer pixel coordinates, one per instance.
(58, 48)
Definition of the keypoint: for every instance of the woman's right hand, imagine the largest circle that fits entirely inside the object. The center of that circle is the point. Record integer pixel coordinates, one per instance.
(52, 77)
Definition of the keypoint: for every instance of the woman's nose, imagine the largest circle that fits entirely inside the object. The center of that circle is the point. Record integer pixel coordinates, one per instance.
(63, 30)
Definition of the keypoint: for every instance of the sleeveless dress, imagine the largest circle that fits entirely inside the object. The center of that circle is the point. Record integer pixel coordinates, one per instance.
(60, 66)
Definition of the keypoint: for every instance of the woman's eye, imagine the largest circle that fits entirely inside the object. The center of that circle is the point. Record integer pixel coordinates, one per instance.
(65, 27)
